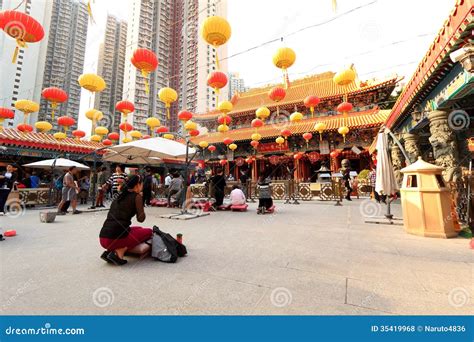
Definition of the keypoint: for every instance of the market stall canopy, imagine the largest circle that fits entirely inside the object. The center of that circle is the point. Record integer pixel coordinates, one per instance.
(59, 163)
(147, 150)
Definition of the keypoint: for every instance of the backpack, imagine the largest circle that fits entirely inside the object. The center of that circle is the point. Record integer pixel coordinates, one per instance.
(165, 248)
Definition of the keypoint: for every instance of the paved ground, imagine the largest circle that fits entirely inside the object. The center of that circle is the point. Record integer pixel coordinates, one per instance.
(314, 258)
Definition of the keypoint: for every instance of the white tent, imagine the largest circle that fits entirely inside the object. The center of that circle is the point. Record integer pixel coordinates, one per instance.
(59, 163)
(385, 178)
(147, 151)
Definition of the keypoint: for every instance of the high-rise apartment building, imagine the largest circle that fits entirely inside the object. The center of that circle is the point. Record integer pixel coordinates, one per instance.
(236, 84)
(66, 48)
(111, 67)
(171, 30)
(23, 79)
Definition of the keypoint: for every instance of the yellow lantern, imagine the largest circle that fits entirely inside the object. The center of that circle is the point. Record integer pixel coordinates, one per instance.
(225, 107)
(280, 140)
(167, 95)
(59, 135)
(94, 115)
(92, 82)
(320, 127)
(233, 147)
(152, 123)
(101, 130)
(43, 126)
(296, 116)
(136, 134)
(262, 113)
(343, 131)
(190, 125)
(283, 59)
(256, 136)
(96, 138)
(216, 31)
(168, 136)
(222, 128)
(203, 144)
(345, 77)
(27, 107)
(126, 140)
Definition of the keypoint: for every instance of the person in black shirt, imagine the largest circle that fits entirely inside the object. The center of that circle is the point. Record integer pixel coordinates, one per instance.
(7, 181)
(147, 186)
(218, 182)
(243, 181)
(116, 235)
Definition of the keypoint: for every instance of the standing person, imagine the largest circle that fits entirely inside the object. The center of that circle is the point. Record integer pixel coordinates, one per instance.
(84, 189)
(27, 181)
(147, 186)
(346, 177)
(175, 188)
(101, 182)
(373, 179)
(69, 192)
(7, 182)
(168, 179)
(218, 184)
(265, 200)
(116, 235)
(34, 180)
(117, 178)
(243, 181)
(237, 196)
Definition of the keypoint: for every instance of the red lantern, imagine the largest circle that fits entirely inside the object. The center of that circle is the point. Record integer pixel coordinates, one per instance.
(249, 160)
(228, 141)
(107, 142)
(334, 154)
(211, 148)
(78, 134)
(344, 107)
(146, 61)
(126, 127)
(66, 122)
(277, 94)
(162, 129)
(125, 107)
(114, 136)
(146, 136)
(54, 95)
(185, 115)
(223, 162)
(224, 120)
(25, 128)
(217, 80)
(311, 102)
(307, 137)
(257, 123)
(285, 133)
(5, 113)
(254, 143)
(194, 132)
(21, 27)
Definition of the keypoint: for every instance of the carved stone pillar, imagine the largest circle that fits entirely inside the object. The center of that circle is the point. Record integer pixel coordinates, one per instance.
(445, 148)
(397, 162)
(411, 146)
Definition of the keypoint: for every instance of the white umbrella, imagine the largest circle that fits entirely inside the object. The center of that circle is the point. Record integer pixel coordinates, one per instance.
(385, 182)
(59, 163)
(125, 159)
(148, 148)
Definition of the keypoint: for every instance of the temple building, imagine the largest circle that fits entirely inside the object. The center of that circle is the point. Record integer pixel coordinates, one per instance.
(433, 117)
(369, 98)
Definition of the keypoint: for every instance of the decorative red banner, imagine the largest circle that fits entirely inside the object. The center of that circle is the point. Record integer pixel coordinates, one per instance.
(272, 147)
(239, 161)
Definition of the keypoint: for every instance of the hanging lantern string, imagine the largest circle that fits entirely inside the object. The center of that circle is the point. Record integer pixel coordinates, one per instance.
(147, 86)
(20, 44)
(89, 10)
(217, 57)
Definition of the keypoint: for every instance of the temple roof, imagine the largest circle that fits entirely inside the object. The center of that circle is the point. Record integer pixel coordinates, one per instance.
(436, 63)
(355, 120)
(321, 85)
(13, 137)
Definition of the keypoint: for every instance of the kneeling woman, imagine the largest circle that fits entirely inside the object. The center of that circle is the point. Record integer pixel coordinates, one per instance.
(116, 235)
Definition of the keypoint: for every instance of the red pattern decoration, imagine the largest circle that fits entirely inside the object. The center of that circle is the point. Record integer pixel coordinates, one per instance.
(314, 157)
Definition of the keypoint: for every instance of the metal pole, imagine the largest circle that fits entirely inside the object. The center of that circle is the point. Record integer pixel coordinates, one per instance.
(468, 216)
(186, 174)
(95, 180)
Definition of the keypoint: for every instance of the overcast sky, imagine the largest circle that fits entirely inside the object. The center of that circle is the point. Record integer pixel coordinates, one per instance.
(381, 38)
